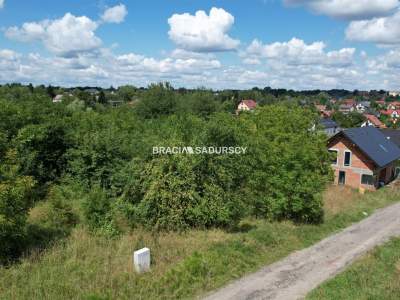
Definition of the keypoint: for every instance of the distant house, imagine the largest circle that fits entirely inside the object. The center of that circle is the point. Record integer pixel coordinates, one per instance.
(363, 106)
(57, 98)
(393, 105)
(394, 114)
(346, 108)
(381, 102)
(329, 126)
(92, 91)
(246, 105)
(351, 102)
(363, 158)
(373, 121)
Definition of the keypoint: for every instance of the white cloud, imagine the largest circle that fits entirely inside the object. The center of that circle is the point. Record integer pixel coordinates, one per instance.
(202, 32)
(1, 4)
(297, 52)
(185, 65)
(9, 55)
(349, 9)
(385, 30)
(105, 69)
(181, 68)
(115, 14)
(67, 36)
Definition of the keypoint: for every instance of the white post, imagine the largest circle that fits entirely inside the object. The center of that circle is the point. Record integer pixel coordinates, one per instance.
(141, 260)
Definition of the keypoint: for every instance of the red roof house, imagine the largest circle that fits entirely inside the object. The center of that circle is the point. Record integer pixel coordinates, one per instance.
(247, 105)
(391, 112)
(351, 102)
(373, 121)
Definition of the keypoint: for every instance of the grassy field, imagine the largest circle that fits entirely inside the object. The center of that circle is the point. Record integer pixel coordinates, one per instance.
(375, 276)
(84, 266)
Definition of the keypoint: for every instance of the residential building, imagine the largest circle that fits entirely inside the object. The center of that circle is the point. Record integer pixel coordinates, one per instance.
(372, 121)
(92, 91)
(381, 103)
(329, 126)
(393, 105)
(394, 94)
(351, 102)
(363, 158)
(363, 106)
(346, 108)
(323, 112)
(57, 98)
(246, 105)
(394, 114)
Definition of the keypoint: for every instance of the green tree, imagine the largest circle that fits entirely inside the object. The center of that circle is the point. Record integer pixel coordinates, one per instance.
(15, 202)
(159, 100)
(102, 98)
(41, 151)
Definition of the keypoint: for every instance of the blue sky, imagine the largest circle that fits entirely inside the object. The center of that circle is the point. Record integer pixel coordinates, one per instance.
(299, 44)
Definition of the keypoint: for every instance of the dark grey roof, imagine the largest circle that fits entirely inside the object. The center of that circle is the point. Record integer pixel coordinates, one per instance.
(328, 123)
(393, 135)
(374, 144)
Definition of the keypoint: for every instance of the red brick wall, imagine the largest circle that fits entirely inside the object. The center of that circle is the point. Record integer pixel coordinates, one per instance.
(359, 164)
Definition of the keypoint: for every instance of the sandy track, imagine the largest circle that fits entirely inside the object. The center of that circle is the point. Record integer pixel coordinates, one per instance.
(302, 271)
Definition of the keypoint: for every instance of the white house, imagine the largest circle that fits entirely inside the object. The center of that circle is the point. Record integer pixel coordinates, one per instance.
(247, 105)
(57, 98)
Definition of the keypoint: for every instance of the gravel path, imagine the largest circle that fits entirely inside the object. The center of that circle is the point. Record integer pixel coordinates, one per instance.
(302, 271)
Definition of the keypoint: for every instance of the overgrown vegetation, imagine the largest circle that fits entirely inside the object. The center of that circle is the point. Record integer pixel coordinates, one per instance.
(87, 266)
(101, 159)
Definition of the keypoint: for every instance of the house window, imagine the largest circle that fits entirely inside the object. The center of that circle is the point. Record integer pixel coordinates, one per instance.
(347, 158)
(367, 179)
(334, 155)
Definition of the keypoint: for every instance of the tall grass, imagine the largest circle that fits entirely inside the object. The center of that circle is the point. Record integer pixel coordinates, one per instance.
(375, 276)
(184, 265)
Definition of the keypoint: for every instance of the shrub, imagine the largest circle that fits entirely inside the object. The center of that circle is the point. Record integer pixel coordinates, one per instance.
(14, 205)
(289, 162)
(41, 151)
(98, 212)
(169, 194)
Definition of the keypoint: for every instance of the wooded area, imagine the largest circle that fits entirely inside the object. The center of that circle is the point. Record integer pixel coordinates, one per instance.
(83, 162)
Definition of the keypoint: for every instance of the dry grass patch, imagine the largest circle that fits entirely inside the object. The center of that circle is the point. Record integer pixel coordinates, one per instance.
(340, 198)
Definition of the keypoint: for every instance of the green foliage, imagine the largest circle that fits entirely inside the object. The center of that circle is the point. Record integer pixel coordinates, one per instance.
(281, 176)
(176, 197)
(41, 150)
(108, 152)
(289, 165)
(15, 201)
(158, 101)
(98, 212)
(353, 119)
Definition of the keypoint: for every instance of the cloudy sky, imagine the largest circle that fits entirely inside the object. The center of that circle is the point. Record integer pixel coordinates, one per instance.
(298, 44)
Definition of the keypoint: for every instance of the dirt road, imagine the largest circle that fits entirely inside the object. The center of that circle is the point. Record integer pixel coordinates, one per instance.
(302, 271)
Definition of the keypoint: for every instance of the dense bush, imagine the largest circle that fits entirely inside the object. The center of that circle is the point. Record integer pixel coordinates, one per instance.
(41, 151)
(96, 163)
(290, 164)
(15, 202)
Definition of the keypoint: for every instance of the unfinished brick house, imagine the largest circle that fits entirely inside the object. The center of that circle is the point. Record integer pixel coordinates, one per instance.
(364, 158)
